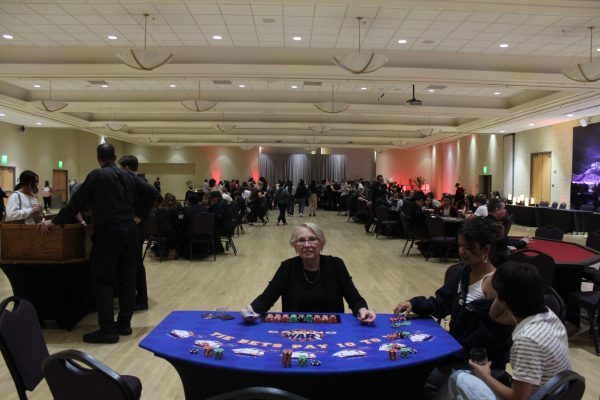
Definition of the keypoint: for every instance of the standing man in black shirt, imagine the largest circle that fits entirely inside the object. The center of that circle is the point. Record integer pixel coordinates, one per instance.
(157, 185)
(113, 195)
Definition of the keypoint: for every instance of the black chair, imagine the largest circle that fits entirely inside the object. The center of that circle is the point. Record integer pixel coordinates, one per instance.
(549, 232)
(553, 301)
(74, 375)
(562, 206)
(587, 207)
(22, 344)
(553, 389)
(411, 234)
(543, 204)
(543, 262)
(592, 274)
(449, 272)
(258, 393)
(437, 236)
(590, 302)
(385, 226)
(153, 237)
(554, 204)
(202, 230)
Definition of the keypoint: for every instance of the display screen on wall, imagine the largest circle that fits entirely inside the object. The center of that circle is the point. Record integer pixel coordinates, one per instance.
(585, 180)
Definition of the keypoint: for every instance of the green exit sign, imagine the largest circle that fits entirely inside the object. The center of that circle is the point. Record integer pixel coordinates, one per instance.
(4, 159)
(60, 164)
(485, 170)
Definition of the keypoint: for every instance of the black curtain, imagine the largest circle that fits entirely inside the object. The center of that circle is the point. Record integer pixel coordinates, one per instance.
(302, 166)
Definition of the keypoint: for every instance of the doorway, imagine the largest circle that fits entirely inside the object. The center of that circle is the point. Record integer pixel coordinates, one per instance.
(60, 185)
(7, 180)
(485, 184)
(541, 176)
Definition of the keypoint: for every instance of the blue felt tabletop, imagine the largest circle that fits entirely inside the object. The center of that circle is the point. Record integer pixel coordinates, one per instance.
(266, 342)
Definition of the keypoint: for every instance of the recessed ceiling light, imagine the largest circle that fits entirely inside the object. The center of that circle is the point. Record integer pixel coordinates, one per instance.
(8, 36)
(112, 37)
(402, 41)
(497, 93)
(598, 49)
(38, 123)
(504, 45)
(104, 86)
(569, 114)
(294, 86)
(37, 86)
(172, 85)
(2, 115)
(431, 90)
(268, 20)
(297, 38)
(502, 131)
(532, 124)
(363, 88)
(217, 37)
(241, 85)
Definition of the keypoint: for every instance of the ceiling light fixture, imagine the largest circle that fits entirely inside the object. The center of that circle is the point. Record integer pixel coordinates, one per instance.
(112, 37)
(504, 45)
(497, 93)
(145, 59)
(360, 63)
(241, 85)
(502, 131)
(532, 124)
(197, 104)
(38, 123)
(37, 86)
(402, 41)
(297, 38)
(172, 85)
(2, 115)
(569, 114)
(50, 105)
(115, 126)
(589, 72)
(8, 36)
(363, 88)
(431, 90)
(217, 37)
(223, 126)
(104, 86)
(294, 86)
(332, 107)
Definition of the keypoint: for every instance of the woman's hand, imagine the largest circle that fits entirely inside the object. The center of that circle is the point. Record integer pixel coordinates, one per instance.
(248, 314)
(481, 371)
(365, 316)
(44, 226)
(403, 308)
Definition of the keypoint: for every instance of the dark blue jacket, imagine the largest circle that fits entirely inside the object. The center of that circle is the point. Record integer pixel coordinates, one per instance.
(471, 324)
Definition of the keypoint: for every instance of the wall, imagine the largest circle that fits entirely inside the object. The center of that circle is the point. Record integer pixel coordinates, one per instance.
(175, 167)
(402, 165)
(40, 149)
(473, 152)
(509, 172)
(359, 162)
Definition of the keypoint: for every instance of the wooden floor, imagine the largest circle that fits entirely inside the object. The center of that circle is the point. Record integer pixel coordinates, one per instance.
(381, 273)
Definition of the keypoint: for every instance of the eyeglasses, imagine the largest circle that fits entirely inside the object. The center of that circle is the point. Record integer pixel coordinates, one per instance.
(311, 240)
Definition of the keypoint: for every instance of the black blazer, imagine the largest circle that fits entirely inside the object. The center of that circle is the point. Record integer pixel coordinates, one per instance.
(291, 285)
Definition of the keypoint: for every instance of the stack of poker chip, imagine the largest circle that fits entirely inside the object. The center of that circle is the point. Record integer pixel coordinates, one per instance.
(219, 353)
(286, 358)
(208, 350)
(405, 352)
(393, 354)
(302, 360)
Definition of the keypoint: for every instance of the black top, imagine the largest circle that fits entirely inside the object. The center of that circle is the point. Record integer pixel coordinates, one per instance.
(306, 291)
(112, 194)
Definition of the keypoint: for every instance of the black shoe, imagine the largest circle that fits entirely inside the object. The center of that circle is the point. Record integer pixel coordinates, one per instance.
(125, 331)
(140, 307)
(101, 336)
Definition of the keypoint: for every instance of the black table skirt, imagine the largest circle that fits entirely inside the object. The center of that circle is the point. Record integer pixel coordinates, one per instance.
(566, 220)
(59, 292)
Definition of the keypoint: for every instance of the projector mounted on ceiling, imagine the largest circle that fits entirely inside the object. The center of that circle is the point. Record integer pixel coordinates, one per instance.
(414, 101)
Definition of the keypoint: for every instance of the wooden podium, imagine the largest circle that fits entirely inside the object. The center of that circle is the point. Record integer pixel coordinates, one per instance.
(51, 271)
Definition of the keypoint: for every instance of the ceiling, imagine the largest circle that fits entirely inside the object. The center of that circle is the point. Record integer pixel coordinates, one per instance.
(266, 83)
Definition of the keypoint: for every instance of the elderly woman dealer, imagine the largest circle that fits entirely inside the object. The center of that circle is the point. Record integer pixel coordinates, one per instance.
(310, 282)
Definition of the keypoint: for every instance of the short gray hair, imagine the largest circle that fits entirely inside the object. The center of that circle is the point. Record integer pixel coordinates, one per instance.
(313, 227)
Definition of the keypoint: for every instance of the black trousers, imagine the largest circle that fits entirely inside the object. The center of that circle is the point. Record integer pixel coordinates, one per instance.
(282, 210)
(114, 259)
(47, 202)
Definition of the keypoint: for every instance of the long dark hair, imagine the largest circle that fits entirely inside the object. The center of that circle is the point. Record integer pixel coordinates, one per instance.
(483, 232)
(27, 177)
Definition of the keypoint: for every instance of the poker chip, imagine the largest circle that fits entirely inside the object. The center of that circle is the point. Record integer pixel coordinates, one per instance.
(194, 350)
(316, 363)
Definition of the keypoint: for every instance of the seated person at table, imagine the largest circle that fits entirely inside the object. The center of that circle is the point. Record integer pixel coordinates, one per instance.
(167, 222)
(480, 206)
(462, 297)
(413, 209)
(540, 346)
(497, 213)
(196, 207)
(447, 209)
(310, 282)
(23, 203)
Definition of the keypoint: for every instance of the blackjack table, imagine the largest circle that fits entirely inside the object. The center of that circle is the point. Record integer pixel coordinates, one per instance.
(314, 355)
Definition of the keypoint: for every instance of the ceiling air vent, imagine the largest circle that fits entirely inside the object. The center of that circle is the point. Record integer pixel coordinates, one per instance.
(312, 83)
(436, 87)
(98, 83)
(222, 82)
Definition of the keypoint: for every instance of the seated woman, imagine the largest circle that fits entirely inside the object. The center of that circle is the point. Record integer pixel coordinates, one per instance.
(447, 209)
(462, 297)
(540, 346)
(23, 204)
(310, 282)
(167, 222)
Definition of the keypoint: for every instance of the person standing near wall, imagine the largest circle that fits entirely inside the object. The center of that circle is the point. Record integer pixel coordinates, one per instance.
(112, 194)
(47, 196)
